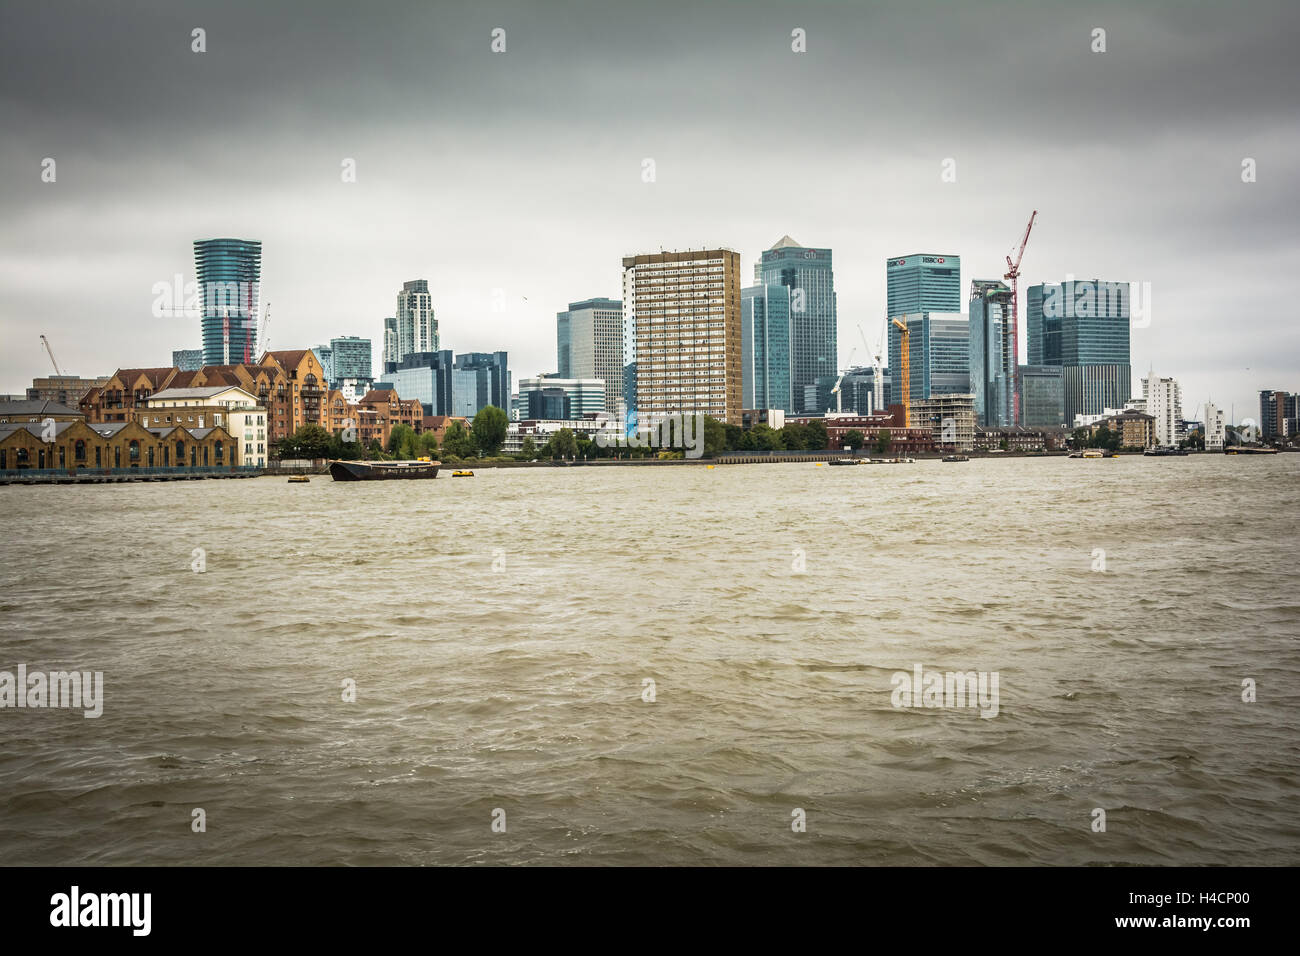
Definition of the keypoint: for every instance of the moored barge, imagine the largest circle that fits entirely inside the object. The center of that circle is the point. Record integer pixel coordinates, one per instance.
(382, 470)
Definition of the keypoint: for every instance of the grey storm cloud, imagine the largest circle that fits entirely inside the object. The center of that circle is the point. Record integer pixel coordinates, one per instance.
(520, 171)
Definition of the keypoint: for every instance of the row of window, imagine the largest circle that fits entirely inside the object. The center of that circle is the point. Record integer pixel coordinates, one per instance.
(134, 456)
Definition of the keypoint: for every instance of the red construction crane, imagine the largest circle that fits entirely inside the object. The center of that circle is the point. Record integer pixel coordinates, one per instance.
(1012, 356)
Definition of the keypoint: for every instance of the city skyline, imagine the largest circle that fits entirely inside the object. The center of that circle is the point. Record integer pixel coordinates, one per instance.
(1132, 157)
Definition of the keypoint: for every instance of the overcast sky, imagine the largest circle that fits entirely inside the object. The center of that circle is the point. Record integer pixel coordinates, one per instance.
(522, 170)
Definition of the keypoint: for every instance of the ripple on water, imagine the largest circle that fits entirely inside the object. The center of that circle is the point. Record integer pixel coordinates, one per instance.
(500, 639)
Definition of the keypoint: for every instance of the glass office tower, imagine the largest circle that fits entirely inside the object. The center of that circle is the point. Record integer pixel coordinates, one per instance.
(991, 361)
(426, 376)
(352, 357)
(589, 344)
(939, 346)
(809, 275)
(922, 283)
(765, 348)
(1042, 396)
(1083, 326)
(229, 273)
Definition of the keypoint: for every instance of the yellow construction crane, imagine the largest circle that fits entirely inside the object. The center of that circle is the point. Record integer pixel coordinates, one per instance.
(907, 372)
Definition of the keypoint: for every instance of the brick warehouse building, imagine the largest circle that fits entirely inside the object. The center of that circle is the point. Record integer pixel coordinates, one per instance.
(901, 440)
(289, 385)
(78, 446)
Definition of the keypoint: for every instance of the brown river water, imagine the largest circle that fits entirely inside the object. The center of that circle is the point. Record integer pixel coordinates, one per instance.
(502, 632)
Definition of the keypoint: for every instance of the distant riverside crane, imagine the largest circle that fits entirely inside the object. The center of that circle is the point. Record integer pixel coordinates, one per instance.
(907, 371)
(49, 351)
(839, 410)
(878, 380)
(266, 328)
(1013, 358)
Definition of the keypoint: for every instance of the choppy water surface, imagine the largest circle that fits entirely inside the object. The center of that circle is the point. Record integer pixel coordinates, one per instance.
(500, 629)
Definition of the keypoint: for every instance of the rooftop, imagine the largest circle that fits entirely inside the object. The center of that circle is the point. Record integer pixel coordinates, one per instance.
(36, 407)
(202, 391)
(35, 428)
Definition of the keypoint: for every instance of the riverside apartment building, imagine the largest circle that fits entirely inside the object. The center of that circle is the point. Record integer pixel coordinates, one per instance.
(682, 333)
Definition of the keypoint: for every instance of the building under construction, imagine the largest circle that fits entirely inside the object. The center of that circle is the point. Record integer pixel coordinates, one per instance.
(949, 418)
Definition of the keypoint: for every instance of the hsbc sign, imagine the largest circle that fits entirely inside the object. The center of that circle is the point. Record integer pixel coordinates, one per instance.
(917, 260)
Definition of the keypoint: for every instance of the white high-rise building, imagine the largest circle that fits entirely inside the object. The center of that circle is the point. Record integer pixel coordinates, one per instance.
(417, 329)
(1214, 427)
(1164, 402)
(390, 343)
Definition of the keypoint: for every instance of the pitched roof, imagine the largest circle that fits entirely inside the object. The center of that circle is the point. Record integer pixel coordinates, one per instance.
(286, 360)
(35, 428)
(785, 242)
(109, 429)
(36, 407)
(156, 376)
(201, 391)
(380, 396)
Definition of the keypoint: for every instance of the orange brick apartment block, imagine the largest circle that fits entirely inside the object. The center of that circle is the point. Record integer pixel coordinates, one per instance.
(290, 385)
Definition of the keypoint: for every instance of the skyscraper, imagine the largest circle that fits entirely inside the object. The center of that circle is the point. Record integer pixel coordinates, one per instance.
(809, 275)
(1277, 412)
(391, 354)
(922, 283)
(1042, 331)
(229, 273)
(765, 348)
(1083, 326)
(325, 354)
(682, 318)
(426, 376)
(352, 357)
(417, 328)
(589, 344)
(939, 349)
(491, 378)
(992, 361)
